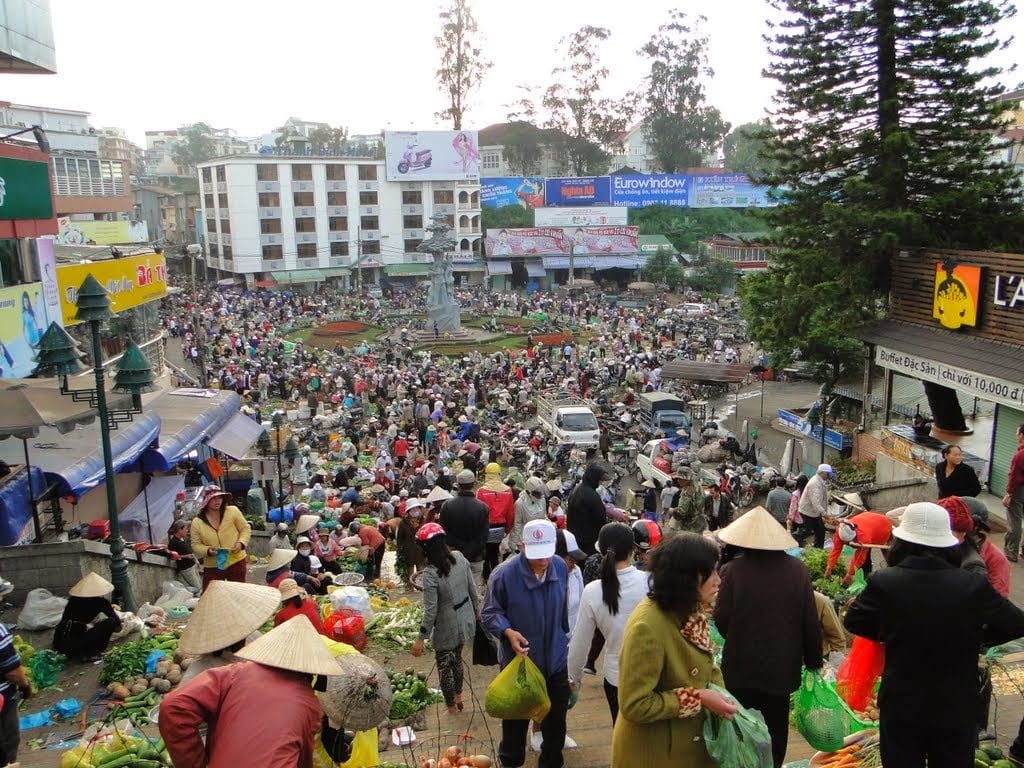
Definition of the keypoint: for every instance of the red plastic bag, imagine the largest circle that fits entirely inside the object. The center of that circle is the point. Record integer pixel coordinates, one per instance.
(347, 626)
(857, 675)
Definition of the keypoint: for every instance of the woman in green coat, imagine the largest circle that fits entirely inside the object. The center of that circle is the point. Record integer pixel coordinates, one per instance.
(666, 662)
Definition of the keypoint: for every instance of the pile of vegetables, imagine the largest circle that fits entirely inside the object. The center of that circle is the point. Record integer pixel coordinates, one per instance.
(410, 694)
(990, 756)
(117, 750)
(453, 757)
(395, 628)
(124, 667)
(832, 587)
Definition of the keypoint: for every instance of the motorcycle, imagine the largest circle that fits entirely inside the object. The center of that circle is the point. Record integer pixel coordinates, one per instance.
(415, 160)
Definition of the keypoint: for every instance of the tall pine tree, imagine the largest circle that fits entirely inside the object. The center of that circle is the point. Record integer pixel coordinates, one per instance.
(885, 118)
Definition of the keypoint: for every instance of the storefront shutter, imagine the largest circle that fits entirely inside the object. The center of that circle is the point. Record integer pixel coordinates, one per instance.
(1003, 446)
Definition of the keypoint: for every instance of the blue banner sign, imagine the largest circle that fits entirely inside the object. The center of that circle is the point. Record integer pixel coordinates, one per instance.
(655, 189)
(728, 190)
(499, 191)
(584, 190)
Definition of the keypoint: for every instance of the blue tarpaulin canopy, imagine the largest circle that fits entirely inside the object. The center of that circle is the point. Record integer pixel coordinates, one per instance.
(187, 416)
(15, 505)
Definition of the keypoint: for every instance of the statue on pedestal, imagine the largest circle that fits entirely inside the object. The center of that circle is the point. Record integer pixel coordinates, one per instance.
(442, 307)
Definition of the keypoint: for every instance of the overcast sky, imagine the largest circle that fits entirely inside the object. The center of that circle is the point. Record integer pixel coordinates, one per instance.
(365, 65)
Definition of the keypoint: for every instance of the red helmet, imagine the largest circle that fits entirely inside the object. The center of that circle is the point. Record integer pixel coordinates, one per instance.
(646, 534)
(427, 531)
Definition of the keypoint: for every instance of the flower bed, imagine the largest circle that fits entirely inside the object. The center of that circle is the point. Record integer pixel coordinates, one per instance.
(553, 339)
(340, 328)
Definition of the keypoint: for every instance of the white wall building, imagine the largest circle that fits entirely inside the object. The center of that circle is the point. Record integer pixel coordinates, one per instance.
(635, 152)
(307, 218)
(67, 130)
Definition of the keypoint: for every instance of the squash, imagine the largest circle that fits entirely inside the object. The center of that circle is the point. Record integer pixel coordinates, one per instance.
(120, 691)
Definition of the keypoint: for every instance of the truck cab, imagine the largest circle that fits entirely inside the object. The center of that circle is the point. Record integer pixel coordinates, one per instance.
(570, 420)
(654, 462)
(665, 413)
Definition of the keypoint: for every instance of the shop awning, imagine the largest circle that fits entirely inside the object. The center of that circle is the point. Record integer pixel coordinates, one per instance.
(620, 261)
(535, 270)
(227, 282)
(299, 276)
(499, 267)
(73, 461)
(705, 373)
(336, 272)
(265, 284)
(562, 262)
(236, 436)
(417, 269)
(187, 416)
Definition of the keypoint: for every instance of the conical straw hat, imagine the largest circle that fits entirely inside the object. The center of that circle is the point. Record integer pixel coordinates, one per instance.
(437, 493)
(757, 529)
(228, 611)
(280, 558)
(305, 523)
(91, 585)
(293, 645)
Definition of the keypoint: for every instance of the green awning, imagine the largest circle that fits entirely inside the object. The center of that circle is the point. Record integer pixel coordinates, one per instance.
(407, 270)
(336, 272)
(651, 244)
(299, 276)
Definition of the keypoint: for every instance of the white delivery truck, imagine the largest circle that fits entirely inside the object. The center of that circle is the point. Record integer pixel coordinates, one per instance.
(654, 462)
(570, 420)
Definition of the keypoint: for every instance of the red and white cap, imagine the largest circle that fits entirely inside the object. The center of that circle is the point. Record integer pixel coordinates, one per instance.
(539, 539)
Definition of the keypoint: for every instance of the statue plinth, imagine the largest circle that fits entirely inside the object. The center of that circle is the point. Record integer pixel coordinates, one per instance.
(442, 308)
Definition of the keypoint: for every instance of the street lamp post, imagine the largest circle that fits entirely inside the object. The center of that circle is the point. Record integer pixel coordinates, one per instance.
(277, 421)
(59, 355)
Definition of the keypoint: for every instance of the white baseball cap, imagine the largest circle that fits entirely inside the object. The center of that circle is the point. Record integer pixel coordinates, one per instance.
(314, 563)
(827, 469)
(925, 523)
(539, 537)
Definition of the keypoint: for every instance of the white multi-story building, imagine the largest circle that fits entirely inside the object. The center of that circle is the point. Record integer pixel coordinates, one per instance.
(309, 218)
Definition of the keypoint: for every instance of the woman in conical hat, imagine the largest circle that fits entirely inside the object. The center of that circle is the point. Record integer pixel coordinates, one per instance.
(79, 635)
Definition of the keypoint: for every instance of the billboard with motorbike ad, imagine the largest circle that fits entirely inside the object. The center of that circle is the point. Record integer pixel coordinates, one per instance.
(432, 155)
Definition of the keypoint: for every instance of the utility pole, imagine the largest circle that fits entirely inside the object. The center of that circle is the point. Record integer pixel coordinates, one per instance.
(359, 258)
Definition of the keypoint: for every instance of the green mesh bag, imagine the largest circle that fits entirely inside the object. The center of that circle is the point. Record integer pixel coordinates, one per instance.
(820, 715)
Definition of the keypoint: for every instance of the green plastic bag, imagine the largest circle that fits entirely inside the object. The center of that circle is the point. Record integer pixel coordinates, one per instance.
(518, 692)
(821, 717)
(45, 667)
(857, 584)
(743, 742)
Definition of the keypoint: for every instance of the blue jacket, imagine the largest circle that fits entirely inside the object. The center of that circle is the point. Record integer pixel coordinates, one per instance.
(536, 609)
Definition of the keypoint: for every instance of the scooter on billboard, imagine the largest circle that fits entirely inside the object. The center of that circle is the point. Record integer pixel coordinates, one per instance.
(413, 160)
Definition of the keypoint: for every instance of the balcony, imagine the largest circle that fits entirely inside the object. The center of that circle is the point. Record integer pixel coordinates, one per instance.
(302, 186)
(307, 263)
(412, 234)
(444, 208)
(369, 210)
(337, 237)
(269, 213)
(305, 237)
(337, 210)
(469, 206)
(413, 209)
(340, 261)
(272, 265)
(77, 186)
(337, 186)
(268, 186)
(303, 211)
(369, 186)
(371, 234)
(273, 239)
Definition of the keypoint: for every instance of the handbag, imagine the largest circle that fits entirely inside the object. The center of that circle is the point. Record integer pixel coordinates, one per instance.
(485, 651)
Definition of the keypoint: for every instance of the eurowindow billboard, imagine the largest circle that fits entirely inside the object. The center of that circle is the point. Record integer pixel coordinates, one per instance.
(431, 156)
(579, 190)
(636, 191)
(500, 191)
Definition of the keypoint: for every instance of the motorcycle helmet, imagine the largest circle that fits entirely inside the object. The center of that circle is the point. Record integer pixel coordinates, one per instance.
(428, 531)
(646, 534)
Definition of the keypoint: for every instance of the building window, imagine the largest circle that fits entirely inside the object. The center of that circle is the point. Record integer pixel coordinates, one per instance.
(412, 197)
(303, 198)
(222, 173)
(270, 200)
(369, 222)
(371, 246)
(306, 250)
(412, 245)
(335, 172)
(225, 226)
(302, 172)
(367, 172)
(273, 252)
(338, 223)
(412, 222)
(336, 198)
(450, 220)
(266, 172)
(208, 201)
(214, 251)
(270, 226)
(490, 160)
(227, 254)
(211, 226)
(339, 249)
(87, 176)
(444, 197)
(207, 176)
(305, 224)
(222, 200)
(367, 198)
(10, 264)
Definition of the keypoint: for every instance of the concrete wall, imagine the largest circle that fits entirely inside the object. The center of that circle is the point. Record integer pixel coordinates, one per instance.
(57, 566)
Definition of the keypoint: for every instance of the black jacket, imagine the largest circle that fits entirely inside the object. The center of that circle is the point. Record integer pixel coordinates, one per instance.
(585, 512)
(933, 619)
(465, 522)
(726, 509)
(963, 481)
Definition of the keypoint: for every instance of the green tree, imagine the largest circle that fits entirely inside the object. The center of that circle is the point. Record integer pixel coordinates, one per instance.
(326, 137)
(508, 217)
(745, 148)
(195, 145)
(523, 148)
(712, 276)
(592, 122)
(686, 227)
(662, 267)
(463, 65)
(679, 126)
(884, 122)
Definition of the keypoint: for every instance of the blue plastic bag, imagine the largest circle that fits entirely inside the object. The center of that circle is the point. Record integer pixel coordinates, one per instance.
(68, 707)
(222, 559)
(152, 660)
(36, 719)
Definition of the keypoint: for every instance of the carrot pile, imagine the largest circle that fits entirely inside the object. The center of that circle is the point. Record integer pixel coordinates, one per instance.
(864, 754)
